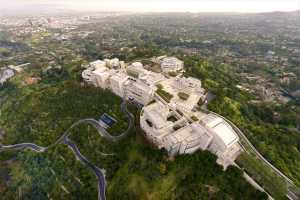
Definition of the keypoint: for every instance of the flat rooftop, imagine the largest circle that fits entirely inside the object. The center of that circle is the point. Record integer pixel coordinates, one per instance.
(193, 135)
(157, 114)
(100, 71)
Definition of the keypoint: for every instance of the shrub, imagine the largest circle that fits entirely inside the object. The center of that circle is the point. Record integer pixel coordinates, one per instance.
(183, 96)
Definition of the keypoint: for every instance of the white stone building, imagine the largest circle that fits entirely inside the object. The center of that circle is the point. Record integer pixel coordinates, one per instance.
(139, 92)
(135, 69)
(171, 64)
(189, 86)
(188, 139)
(142, 84)
(165, 129)
(178, 136)
(101, 76)
(117, 83)
(174, 125)
(97, 64)
(109, 74)
(112, 63)
(225, 142)
(87, 76)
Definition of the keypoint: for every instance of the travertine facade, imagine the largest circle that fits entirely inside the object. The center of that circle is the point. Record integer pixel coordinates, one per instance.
(169, 116)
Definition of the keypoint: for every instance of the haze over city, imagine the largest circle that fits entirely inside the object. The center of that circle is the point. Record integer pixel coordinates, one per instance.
(159, 5)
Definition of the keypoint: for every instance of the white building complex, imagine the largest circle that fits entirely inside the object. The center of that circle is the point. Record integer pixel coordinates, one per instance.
(169, 117)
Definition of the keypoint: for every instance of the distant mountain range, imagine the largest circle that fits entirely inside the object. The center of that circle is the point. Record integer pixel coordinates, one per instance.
(55, 9)
(34, 9)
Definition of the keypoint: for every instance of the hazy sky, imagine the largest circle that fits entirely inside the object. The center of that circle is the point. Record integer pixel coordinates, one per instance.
(164, 5)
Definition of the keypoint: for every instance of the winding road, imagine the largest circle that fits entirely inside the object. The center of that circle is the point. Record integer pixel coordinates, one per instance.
(65, 140)
(22, 146)
(104, 133)
(100, 176)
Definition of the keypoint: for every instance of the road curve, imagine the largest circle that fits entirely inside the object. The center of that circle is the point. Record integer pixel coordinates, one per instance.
(65, 139)
(102, 131)
(100, 176)
(22, 146)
